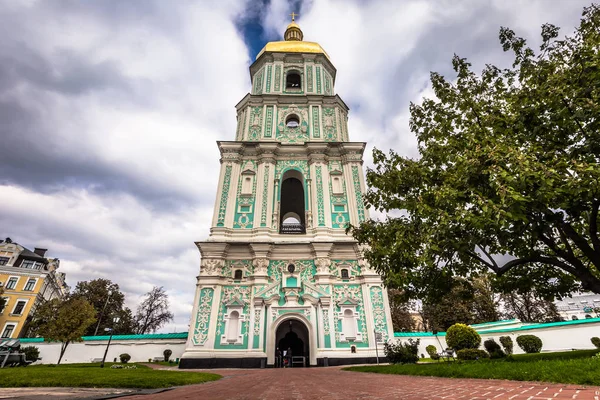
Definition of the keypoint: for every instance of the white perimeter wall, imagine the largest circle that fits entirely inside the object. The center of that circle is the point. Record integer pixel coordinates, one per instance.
(82, 352)
(559, 338)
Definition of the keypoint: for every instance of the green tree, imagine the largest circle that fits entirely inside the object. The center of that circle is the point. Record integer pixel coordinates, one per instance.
(467, 302)
(508, 178)
(402, 319)
(153, 312)
(108, 301)
(63, 321)
(2, 300)
(529, 307)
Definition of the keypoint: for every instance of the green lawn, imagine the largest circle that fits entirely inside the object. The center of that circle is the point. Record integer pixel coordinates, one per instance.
(576, 367)
(91, 375)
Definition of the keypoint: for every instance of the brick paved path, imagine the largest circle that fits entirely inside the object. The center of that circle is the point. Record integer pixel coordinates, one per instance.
(333, 383)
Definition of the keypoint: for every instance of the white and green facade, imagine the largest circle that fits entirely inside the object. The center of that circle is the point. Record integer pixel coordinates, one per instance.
(278, 269)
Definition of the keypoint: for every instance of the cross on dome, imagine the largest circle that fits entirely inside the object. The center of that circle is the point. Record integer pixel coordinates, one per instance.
(293, 31)
(293, 14)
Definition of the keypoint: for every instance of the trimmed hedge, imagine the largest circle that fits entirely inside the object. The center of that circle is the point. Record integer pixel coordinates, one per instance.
(432, 351)
(124, 358)
(32, 353)
(530, 343)
(493, 348)
(461, 336)
(507, 343)
(596, 342)
(472, 354)
(167, 354)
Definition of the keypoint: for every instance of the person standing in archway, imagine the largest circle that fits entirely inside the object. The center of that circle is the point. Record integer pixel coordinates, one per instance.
(278, 360)
(289, 356)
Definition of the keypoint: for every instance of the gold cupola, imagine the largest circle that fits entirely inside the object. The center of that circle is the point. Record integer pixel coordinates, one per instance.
(293, 42)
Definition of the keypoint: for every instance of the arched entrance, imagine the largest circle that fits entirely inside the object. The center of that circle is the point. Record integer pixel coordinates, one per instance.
(292, 335)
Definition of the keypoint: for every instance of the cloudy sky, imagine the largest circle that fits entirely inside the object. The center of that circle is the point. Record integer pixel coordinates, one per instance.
(110, 109)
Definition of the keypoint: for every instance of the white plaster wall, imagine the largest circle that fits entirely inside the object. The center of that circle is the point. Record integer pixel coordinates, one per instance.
(83, 352)
(559, 338)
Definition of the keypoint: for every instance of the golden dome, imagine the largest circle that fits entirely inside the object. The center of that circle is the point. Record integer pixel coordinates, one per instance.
(293, 43)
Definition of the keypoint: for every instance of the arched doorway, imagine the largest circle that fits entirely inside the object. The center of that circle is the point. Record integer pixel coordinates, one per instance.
(292, 335)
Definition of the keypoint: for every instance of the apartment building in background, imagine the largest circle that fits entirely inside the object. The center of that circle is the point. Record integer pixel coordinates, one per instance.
(27, 278)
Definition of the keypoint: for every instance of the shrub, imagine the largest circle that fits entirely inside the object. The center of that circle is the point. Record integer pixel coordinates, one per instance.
(32, 353)
(472, 354)
(124, 358)
(432, 351)
(507, 343)
(529, 343)
(493, 348)
(461, 336)
(596, 342)
(402, 353)
(167, 353)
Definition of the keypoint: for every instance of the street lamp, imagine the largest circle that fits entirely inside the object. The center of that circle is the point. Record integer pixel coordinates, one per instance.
(116, 321)
(102, 313)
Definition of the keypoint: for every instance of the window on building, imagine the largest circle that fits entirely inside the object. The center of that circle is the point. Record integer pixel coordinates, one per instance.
(292, 121)
(247, 184)
(588, 316)
(8, 330)
(345, 274)
(293, 80)
(349, 325)
(574, 318)
(30, 284)
(28, 264)
(336, 185)
(232, 326)
(19, 307)
(4, 260)
(237, 275)
(11, 283)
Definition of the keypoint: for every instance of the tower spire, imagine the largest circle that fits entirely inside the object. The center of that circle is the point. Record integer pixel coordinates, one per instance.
(293, 31)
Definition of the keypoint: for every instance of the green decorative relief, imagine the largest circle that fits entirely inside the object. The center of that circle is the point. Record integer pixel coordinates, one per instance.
(309, 78)
(245, 265)
(316, 120)
(228, 293)
(320, 201)
(297, 134)
(268, 88)
(240, 127)
(352, 266)
(318, 74)
(300, 165)
(258, 81)
(244, 208)
(353, 292)
(269, 122)
(224, 197)
(379, 317)
(344, 126)
(277, 78)
(327, 83)
(329, 125)
(263, 215)
(203, 316)
(360, 205)
(326, 328)
(340, 215)
(255, 124)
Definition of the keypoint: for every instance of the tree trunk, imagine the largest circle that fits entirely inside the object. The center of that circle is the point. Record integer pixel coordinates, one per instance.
(63, 348)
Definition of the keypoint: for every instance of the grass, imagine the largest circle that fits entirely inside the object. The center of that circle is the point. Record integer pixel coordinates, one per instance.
(575, 367)
(91, 375)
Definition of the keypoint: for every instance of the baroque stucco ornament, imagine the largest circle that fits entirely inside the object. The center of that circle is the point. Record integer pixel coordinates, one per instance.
(211, 266)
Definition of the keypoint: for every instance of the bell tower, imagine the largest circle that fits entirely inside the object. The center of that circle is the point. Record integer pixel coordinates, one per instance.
(278, 272)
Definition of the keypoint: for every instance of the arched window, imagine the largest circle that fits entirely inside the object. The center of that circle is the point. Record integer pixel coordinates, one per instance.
(292, 203)
(345, 274)
(349, 325)
(292, 80)
(588, 316)
(232, 326)
(352, 349)
(292, 121)
(574, 318)
(237, 275)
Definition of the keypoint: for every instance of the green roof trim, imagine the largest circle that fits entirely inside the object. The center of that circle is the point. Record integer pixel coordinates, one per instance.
(546, 325)
(150, 336)
(417, 334)
(32, 340)
(521, 328)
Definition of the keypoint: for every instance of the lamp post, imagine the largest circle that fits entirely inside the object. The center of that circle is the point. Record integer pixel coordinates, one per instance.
(116, 321)
(102, 313)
